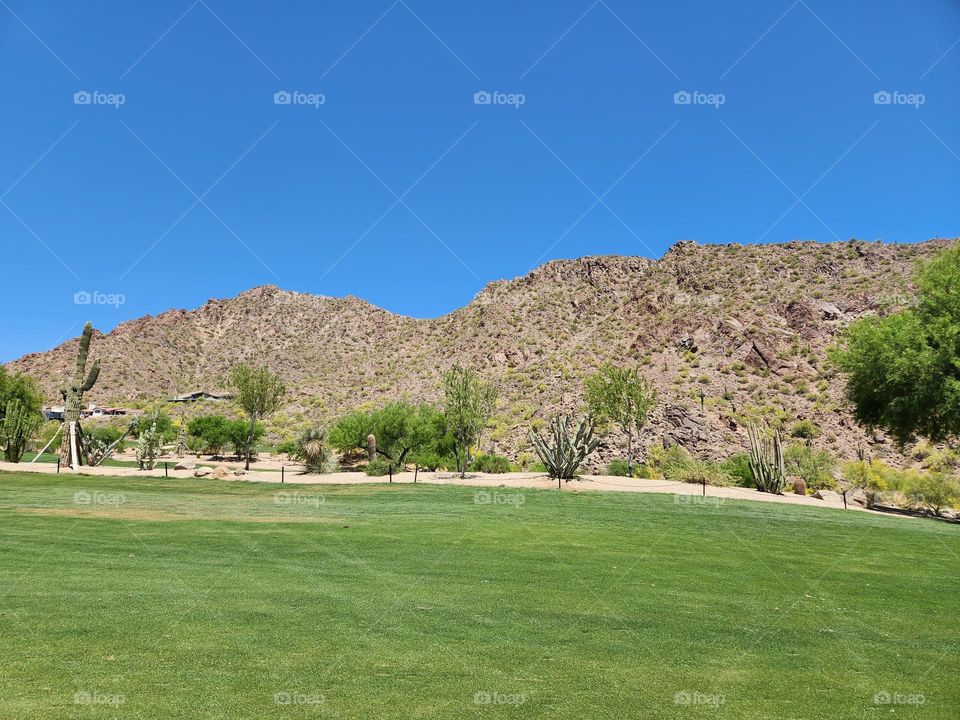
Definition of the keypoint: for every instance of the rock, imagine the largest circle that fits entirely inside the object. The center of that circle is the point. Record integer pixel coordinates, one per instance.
(829, 496)
(684, 427)
(828, 310)
(220, 472)
(239, 472)
(858, 496)
(184, 465)
(202, 472)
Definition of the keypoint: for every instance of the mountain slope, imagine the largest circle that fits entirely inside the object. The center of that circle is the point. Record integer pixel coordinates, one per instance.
(727, 333)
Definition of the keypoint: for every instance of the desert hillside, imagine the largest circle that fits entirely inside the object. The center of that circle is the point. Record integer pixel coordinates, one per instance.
(728, 333)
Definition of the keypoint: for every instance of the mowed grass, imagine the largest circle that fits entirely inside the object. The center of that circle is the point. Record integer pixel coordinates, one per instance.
(151, 598)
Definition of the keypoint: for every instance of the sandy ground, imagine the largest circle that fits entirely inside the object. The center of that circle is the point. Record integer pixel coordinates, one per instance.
(268, 471)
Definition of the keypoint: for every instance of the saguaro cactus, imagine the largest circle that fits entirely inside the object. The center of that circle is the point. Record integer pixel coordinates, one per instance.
(71, 446)
(766, 462)
(564, 454)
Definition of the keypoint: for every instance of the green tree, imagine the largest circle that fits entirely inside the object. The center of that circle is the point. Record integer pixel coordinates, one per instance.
(20, 416)
(623, 397)
(404, 432)
(258, 393)
(211, 430)
(469, 402)
(903, 370)
(242, 438)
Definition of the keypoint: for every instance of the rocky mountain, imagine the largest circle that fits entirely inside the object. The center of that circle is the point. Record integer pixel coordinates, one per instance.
(727, 333)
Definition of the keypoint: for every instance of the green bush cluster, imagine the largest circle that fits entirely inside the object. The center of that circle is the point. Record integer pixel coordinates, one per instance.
(491, 464)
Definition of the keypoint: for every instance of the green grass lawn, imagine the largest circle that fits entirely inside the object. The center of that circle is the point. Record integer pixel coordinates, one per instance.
(151, 598)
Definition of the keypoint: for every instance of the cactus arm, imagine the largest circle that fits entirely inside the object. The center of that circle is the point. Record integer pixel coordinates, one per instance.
(92, 376)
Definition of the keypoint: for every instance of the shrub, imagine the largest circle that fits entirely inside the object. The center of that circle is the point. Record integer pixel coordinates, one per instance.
(935, 491)
(287, 447)
(619, 468)
(377, 467)
(313, 449)
(738, 467)
(814, 466)
(804, 429)
(490, 464)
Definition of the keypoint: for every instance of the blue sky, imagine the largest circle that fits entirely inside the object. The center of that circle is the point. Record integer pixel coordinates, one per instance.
(178, 176)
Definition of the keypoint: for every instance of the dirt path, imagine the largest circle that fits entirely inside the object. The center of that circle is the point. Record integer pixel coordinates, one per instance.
(685, 492)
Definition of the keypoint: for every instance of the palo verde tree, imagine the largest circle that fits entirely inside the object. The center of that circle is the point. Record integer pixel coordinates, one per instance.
(623, 397)
(903, 369)
(258, 393)
(469, 401)
(20, 416)
(402, 432)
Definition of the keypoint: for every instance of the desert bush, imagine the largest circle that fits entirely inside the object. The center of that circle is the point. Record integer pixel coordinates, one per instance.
(935, 491)
(313, 449)
(814, 466)
(738, 467)
(619, 468)
(804, 429)
(378, 467)
(491, 464)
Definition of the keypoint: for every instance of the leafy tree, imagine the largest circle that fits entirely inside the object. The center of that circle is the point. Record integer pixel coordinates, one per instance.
(242, 438)
(904, 369)
(468, 404)
(20, 416)
(935, 491)
(621, 396)
(258, 392)
(404, 432)
(212, 430)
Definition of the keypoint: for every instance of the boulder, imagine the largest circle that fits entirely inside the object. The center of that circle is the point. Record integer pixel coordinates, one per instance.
(184, 465)
(202, 472)
(220, 472)
(239, 472)
(829, 496)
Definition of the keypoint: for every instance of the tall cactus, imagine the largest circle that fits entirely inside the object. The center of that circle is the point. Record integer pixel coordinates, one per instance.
(71, 446)
(766, 462)
(564, 454)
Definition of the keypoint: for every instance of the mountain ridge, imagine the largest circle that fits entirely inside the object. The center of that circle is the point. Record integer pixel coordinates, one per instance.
(728, 334)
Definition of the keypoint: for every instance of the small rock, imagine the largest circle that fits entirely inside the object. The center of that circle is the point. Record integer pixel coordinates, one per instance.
(184, 465)
(239, 471)
(221, 472)
(202, 472)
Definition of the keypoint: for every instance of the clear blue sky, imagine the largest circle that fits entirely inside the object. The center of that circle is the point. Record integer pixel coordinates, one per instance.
(400, 189)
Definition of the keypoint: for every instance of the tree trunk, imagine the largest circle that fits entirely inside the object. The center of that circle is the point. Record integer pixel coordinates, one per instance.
(253, 425)
(630, 454)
